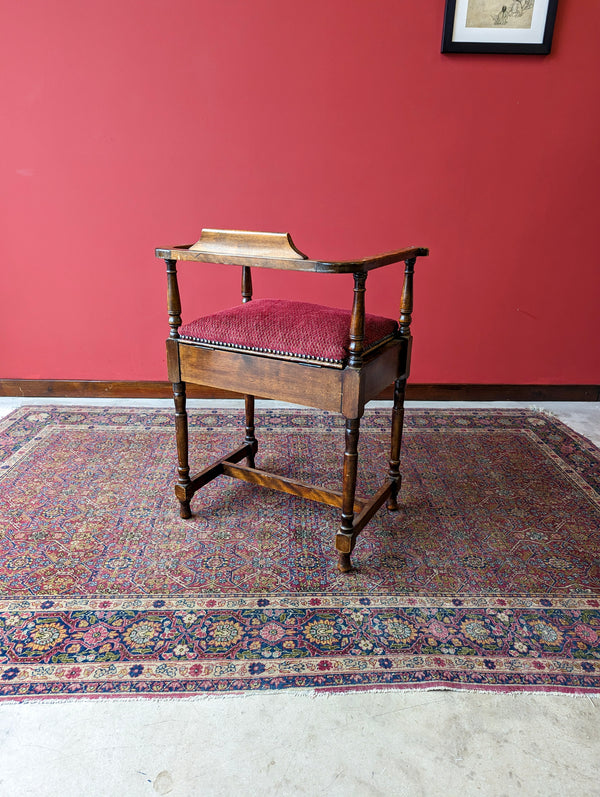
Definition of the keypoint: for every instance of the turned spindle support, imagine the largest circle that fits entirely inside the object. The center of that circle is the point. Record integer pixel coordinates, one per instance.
(246, 284)
(357, 321)
(248, 400)
(183, 468)
(250, 439)
(406, 308)
(173, 299)
(397, 426)
(344, 541)
(406, 301)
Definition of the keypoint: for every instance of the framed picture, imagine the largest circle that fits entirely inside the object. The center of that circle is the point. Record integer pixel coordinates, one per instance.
(499, 26)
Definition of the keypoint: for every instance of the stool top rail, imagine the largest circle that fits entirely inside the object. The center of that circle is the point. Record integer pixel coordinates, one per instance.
(274, 250)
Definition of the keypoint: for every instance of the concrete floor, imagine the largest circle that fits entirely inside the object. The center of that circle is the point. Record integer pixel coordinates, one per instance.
(389, 743)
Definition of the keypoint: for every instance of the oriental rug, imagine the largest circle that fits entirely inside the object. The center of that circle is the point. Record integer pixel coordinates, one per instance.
(487, 578)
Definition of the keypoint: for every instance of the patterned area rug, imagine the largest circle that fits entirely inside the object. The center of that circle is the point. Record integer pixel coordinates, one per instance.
(488, 577)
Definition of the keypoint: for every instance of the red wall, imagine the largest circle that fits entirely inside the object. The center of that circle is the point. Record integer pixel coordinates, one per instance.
(134, 123)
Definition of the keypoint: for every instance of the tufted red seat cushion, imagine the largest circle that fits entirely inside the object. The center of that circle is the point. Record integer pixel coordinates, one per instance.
(278, 326)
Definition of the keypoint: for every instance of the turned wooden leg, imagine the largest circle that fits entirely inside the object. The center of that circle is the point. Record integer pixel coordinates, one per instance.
(181, 429)
(344, 541)
(397, 425)
(250, 438)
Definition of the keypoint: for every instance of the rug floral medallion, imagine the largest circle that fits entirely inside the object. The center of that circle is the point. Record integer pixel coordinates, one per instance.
(487, 578)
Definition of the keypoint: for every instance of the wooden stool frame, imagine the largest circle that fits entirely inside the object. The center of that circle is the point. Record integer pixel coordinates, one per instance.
(337, 387)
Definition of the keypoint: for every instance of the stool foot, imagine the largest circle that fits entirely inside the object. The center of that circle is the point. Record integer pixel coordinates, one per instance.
(344, 564)
(392, 504)
(184, 510)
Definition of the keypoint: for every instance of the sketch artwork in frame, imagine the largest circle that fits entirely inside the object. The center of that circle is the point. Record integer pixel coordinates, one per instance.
(499, 26)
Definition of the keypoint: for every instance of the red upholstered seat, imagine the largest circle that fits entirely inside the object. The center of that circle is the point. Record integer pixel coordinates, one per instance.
(297, 329)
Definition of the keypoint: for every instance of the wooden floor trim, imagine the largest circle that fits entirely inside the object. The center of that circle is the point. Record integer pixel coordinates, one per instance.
(63, 388)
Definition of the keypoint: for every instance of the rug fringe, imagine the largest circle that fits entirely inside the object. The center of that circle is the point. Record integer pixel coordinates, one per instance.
(310, 694)
(542, 410)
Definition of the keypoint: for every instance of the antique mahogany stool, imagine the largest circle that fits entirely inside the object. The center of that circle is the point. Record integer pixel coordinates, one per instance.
(292, 351)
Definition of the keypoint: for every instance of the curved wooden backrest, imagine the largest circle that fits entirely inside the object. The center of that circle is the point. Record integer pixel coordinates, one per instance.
(249, 244)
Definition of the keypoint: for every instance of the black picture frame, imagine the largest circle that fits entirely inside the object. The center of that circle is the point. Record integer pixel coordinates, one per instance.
(452, 45)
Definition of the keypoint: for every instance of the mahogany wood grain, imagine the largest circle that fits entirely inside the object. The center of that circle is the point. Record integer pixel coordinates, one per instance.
(173, 362)
(248, 399)
(181, 430)
(345, 537)
(225, 243)
(397, 427)
(288, 485)
(185, 492)
(318, 266)
(383, 370)
(173, 299)
(357, 321)
(406, 301)
(371, 508)
(273, 250)
(250, 439)
(246, 284)
(264, 377)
